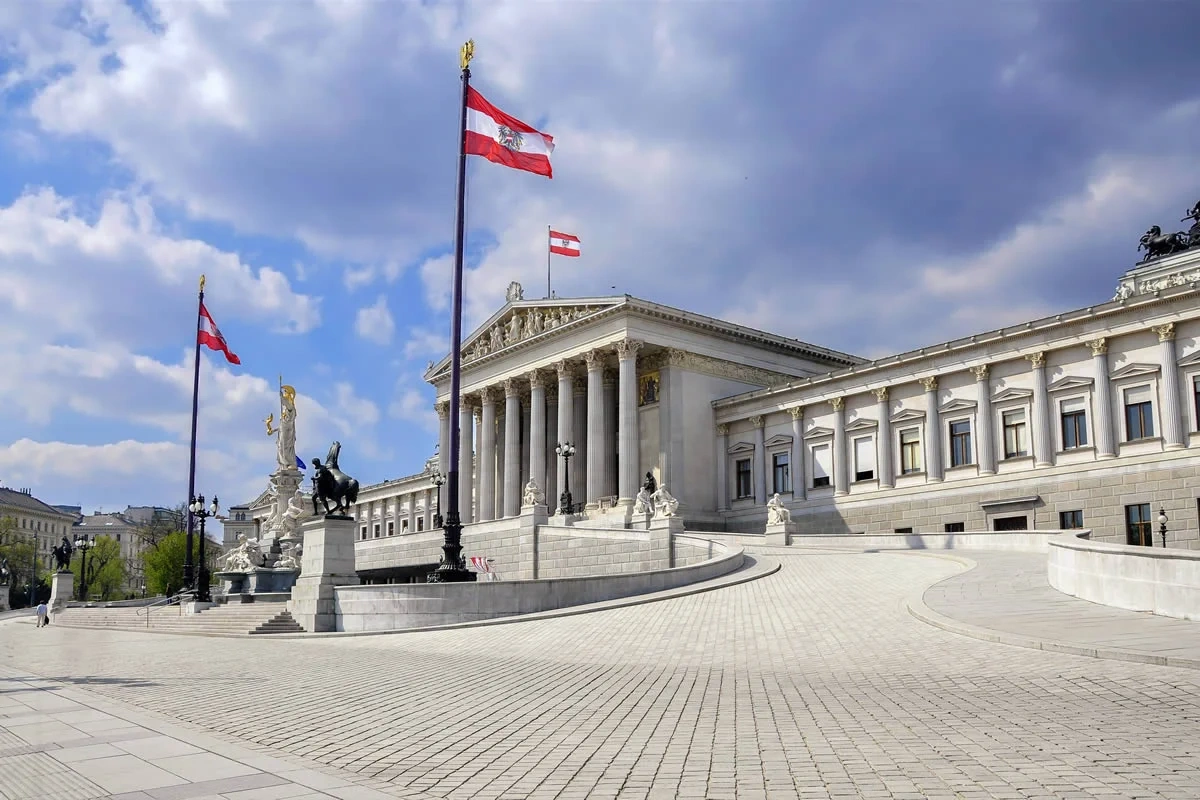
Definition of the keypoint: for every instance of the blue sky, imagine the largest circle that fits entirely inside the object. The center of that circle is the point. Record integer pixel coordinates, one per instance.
(868, 176)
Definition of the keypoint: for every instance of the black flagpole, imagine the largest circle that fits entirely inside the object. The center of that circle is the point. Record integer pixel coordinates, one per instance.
(452, 569)
(187, 558)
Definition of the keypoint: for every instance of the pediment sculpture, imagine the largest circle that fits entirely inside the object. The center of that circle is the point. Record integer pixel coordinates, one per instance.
(520, 325)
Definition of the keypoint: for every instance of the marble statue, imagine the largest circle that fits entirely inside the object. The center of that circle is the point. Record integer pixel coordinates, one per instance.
(244, 557)
(535, 321)
(643, 504)
(285, 434)
(664, 504)
(513, 333)
(514, 293)
(497, 340)
(533, 495)
(290, 558)
(777, 512)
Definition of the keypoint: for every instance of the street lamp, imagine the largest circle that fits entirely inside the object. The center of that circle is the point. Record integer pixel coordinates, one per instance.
(83, 544)
(566, 450)
(200, 512)
(438, 480)
(1162, 524)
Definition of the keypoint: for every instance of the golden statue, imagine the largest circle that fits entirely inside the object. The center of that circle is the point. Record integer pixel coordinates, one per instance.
(467, 53)
(269, 420)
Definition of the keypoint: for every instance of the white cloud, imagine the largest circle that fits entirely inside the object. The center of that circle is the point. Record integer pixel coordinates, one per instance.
(414, 405)
(423, 342)
(374, 323)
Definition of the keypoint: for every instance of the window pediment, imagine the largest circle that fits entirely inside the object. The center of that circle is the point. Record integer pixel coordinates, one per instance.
(1134, 371)
(741, 447)
(860, 425)
(818, 433)
(778, 440)
(955, 406)
(1070, 382)
(1192, 360)
(909, 415)
(1006, 395)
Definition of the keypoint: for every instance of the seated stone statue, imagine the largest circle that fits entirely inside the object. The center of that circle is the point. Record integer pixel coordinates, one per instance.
(664, 504)
(245, 557)
(533, 495)
(777, 512)
(643, 504)
(290, 559)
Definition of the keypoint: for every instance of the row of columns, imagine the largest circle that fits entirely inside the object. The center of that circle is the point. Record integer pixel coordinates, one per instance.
(376, 511)
(1173, 432)
(597, 415)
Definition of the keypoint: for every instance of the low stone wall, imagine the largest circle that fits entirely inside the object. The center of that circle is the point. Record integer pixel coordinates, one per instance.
(575, 552)
(413, 605)
(688, 550)
(1162, 581)
(1028, 541)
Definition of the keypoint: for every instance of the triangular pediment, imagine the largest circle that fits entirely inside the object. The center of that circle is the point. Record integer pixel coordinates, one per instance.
(741, 447)
(862, 425)
(520, 322)
(778, 440)
(1134, 371)
(1006, 395)
(817, 432)
(1191, 360)
(1070, 382)
(955, 406)
(909, 415)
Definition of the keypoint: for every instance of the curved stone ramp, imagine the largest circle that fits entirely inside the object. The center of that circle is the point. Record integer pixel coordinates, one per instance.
(1006, 598)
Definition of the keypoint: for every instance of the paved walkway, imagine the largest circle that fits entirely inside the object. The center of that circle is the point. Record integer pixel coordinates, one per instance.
(813, 682)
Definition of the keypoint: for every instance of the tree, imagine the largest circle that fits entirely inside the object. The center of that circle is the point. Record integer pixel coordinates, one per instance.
(162, 526)
(163, 564)
(24, 565)
(105, 569)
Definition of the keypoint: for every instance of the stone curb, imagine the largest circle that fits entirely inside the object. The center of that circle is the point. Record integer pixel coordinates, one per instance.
(917, 608)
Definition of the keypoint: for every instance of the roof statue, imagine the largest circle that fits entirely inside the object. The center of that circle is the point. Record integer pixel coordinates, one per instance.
(1158, 244)
(514, 293)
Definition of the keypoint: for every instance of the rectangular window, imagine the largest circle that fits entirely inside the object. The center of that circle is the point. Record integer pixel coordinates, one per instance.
(1074, 423)
(910, 451)
(1010, 524)
(955, 527)
(960, 443)
(1137, 525)
(391, 527)
(363, 531)
(780, 472)
(420, 523)
(1139, 413)
(864, 459)
(1196, 399)
(822, 465)
(1070, 520)
(744, 478)
(1016, 434)
(903, 530)
(376, 530)
(404, 526)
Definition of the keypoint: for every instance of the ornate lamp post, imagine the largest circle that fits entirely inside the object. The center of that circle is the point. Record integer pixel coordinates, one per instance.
(566, 450)
(1162, 524)
(438, 480)
(200, 512)
(83, 544)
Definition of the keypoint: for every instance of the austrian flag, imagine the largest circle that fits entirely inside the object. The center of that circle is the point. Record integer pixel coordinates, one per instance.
(505, 140)
(564, 244)
(210, 335)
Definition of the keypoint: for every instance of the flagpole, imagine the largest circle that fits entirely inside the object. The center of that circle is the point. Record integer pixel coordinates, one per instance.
(547, 262)
(452, 569)
(188, 567)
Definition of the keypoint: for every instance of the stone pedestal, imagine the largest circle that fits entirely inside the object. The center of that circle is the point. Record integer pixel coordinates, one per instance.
(287, 480)
(328, 561)
(62, 589)
(531, 518)
(781, 533)
(662, 533)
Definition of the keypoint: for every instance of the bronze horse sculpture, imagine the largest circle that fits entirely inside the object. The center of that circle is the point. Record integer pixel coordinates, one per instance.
(1158, 244)
(330, 483)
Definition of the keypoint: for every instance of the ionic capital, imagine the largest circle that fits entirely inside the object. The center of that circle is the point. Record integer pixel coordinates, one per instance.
(838, 403)
(797, 412)
(1165, 332)
(881, 394)
(756, 422)
(627, 348)
(981, 372)
(929, 383)
(1037, 359)
(1099, 346)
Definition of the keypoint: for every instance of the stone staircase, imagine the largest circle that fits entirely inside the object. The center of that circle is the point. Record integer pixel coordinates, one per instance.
(223, 620)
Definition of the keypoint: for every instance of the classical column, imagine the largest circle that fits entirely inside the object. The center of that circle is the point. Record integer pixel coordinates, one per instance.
(501, 466)
(465, 473)
(429, 501)
(627, 455)
(760, 454)
(443, 412)
(412, 512)
(566, 426)
(799, 477)
(551, 457)
(478, 418)
(841, 460)
(595, 425)
(933, 431)
(722, 465)
(1043, 441)
(487, 456)
(984, 421)
(512, 448)
(1172, 419)
(579, 464)
(537, 429)
(1103, 414)
(524, 472)
(609, 486)
(883, 439)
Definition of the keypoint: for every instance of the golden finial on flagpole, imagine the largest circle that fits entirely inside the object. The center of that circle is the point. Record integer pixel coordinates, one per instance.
(467, 53)
(202, 281)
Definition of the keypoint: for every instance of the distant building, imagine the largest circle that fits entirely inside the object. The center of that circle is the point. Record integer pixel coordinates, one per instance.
(34, 520)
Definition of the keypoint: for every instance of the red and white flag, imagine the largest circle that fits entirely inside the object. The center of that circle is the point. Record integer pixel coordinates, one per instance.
(210, 335)
(505, 140)
(564, 244)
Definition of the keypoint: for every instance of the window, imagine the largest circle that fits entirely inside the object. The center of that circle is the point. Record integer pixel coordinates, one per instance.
(822, 465)
(363, 532)
(742, 470)
(1070, 520)
(960, 443)
(404, 526)
(1196, 398)
(955, 527)
(1074, 423)
(391, 527)
(903, 530)
(118, 537)
(1139, 414)
(376, 530)
(1016, 434)
(864, 459)
(420, 523)
(1010, 524)
(1137, 525)
(780, 471)
(910, 451)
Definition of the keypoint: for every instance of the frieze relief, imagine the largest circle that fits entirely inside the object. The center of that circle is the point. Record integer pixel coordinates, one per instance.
(716, 367)
(524, 324)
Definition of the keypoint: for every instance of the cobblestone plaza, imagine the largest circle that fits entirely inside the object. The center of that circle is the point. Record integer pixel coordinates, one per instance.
(814, 681)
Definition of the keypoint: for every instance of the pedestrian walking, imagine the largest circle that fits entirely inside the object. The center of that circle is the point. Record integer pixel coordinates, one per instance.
(43, 614)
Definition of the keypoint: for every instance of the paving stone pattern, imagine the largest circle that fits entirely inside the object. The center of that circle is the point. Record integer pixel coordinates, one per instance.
(814, 682)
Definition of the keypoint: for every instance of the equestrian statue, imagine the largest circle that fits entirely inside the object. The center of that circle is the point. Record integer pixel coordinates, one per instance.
(331, 484)
(62, 555)
(1158, 244)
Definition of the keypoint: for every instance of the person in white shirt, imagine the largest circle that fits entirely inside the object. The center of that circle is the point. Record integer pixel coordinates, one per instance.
(43, 615)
